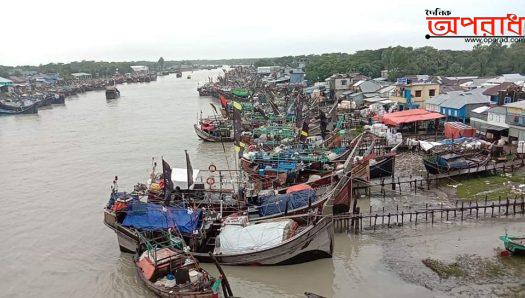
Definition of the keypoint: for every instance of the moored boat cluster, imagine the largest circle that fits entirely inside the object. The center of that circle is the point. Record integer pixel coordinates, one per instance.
(26, 96)
(302, 158)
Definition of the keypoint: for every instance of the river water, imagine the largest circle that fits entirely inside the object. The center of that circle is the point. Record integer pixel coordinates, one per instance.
(56, 169)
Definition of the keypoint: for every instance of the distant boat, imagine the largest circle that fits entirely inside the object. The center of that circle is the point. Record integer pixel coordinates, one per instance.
(112, 92)
(214, 130)
(188, 77)
(32, 109)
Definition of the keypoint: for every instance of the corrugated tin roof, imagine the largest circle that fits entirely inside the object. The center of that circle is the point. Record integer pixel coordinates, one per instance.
(458, 99)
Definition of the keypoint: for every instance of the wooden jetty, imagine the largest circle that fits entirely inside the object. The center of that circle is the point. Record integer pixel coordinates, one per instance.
(462, 210)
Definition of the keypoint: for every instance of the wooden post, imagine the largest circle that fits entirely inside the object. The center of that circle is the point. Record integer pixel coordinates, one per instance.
(477, 209)
(388, 225)
(455, 209)
(402, 217)
(492, 215)
(375, 222)
(470, 207)
(426, 212)
(485, 209)
(461, 210)
(370, 215)
(416, 217)
(432, 215)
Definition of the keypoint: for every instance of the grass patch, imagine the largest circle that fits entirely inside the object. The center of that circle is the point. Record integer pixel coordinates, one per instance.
(444, 270)
(472, 188)
(470, 267)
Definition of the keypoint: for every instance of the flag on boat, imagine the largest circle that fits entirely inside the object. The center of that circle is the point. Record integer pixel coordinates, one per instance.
(304, 130)
(189, 169)
(166, 176)
(224, 101)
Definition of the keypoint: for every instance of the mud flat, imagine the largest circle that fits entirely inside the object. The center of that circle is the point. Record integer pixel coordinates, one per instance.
(457, 259)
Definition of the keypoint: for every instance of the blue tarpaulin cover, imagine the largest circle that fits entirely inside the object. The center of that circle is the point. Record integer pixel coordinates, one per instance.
(147, 216)
(274, 204)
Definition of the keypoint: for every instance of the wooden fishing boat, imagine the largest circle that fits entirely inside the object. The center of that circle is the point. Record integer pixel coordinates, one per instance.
(214, 130)
(312, 240)
(32, 109)
(168, 271)
(383, 166)
(112, 92)
(515, 245)
(452, 161)
(224, 135)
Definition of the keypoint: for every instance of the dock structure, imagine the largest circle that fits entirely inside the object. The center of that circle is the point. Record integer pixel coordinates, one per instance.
(431, 179)
(462, 210)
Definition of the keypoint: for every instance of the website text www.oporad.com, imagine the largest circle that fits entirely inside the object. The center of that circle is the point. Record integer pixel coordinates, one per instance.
(492, 39)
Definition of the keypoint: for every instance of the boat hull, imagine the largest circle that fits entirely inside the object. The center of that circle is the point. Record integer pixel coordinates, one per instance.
(316, 242)
(382, 168)
(514, 244)
(33, 109)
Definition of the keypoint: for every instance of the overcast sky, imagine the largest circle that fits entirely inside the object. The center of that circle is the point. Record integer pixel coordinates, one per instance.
(43, 31)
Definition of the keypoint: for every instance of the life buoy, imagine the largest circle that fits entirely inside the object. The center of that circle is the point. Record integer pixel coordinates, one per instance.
(210, 181)
(212, 168)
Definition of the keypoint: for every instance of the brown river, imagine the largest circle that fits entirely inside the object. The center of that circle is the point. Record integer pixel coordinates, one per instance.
(56, 170)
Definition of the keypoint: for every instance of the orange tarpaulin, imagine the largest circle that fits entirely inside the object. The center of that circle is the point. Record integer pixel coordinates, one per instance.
(408, 116)
(454, 130)
(298, 187)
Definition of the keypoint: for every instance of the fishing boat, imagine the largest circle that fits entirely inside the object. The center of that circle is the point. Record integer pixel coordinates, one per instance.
(188, 77)
(6, 109)
(168, 271)
(452, 161)
(312, 239)
(282, 241)
(214, 130)
(382, 166)
(515, 245)
(112, 92)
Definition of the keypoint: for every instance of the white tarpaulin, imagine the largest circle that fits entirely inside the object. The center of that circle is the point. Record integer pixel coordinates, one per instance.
(179, 177)
(237, 239)
(428, 145)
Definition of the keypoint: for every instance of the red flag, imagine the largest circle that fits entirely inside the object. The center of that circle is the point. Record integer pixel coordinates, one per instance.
(224, 101)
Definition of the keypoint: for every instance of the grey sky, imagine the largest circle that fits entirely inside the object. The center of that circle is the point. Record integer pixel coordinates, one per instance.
(38, 31)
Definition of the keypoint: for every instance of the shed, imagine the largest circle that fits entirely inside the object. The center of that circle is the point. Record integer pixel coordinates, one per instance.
(408, 116)
(5, 82)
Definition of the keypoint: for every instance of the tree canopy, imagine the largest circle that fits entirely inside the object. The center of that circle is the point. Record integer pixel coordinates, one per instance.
(482, 60)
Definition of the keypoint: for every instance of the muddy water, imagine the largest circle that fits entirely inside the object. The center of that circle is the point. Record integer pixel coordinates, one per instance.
(56, 168)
